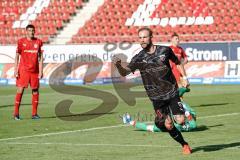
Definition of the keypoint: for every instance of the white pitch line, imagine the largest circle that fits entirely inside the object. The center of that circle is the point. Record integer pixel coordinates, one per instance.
(64, 132)
(100, 128)
(219, 115)
(90, 144)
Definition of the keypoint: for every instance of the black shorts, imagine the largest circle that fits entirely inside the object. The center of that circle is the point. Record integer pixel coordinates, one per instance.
(167, 107)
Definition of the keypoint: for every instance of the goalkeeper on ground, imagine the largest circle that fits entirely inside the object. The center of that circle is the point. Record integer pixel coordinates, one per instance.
(189, 124)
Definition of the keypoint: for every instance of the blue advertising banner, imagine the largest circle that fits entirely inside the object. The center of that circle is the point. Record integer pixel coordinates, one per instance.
(207, 51)
(209, 63)
(234, 51)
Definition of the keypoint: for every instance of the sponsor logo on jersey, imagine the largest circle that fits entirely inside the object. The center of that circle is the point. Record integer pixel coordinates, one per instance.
(162, 57)
(30, 51)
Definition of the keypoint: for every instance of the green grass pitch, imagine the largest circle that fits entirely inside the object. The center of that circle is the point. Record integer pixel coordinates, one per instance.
(106, 138)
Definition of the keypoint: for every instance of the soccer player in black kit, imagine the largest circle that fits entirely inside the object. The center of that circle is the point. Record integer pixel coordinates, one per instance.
(159, 82)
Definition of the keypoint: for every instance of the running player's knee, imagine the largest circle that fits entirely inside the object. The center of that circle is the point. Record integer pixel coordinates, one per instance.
(168, 124)
(160, 123)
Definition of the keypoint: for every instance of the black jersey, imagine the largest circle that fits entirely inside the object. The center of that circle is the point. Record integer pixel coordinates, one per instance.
(158, 79)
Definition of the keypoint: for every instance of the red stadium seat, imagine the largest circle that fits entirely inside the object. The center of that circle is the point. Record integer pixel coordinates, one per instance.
(109, 15)
(50, 19)
(109, 21)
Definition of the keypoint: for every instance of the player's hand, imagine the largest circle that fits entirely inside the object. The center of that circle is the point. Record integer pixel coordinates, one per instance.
(116, 60)
(16, 74)
(40, 75)
(186, 83)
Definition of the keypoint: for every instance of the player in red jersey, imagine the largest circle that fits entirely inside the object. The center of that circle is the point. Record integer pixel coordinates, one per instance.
(29, 70)
(181, 55)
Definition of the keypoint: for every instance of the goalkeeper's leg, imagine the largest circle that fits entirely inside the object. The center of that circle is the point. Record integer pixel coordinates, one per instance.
(145, 127)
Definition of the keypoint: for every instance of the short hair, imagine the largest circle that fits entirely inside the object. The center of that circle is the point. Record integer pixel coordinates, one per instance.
(146, 29)
(174, 35)
(30, 26)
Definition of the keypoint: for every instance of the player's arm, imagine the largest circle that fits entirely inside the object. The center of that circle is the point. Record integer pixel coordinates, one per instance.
(40, 60)
(184, 57)
(41, 65)
(180, 67)
(192, 124)
(190, 118)
(183, 73)
(16, 62)
(123, 71)
(16, 65)
(184, 60)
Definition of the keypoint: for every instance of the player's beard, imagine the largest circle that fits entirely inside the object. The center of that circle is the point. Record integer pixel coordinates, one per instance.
(146, 46)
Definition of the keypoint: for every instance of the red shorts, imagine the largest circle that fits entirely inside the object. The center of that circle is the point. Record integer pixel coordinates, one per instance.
(25, 78)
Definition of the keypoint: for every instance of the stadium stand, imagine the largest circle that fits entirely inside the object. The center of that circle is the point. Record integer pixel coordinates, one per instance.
(119, 20)
(194, 20)
(47, 16)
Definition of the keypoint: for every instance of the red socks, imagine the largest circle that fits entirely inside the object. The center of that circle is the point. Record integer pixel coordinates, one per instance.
(18, 99)
(35, 98)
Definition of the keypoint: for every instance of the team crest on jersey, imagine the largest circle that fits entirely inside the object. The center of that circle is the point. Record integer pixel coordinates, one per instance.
(162, 57)
(35, 45)
(24, 44)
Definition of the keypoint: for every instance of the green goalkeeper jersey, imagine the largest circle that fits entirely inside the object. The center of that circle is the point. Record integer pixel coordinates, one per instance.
(189, 122)
(190, 119)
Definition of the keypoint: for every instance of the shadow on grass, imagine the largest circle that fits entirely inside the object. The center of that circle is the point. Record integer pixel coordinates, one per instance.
(212, 104)
(77, 115)
(198, 129)
(216, 147)
(203, 127)
(23, 104)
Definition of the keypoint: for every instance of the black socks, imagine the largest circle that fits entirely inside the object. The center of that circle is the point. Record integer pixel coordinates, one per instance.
(177, 136)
